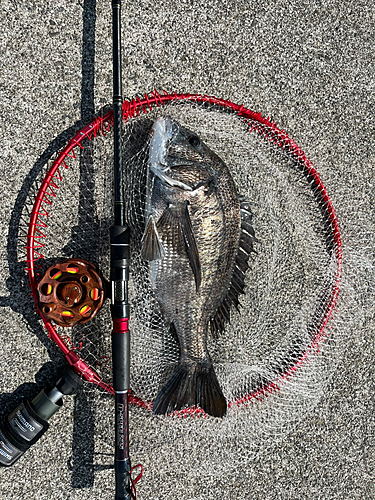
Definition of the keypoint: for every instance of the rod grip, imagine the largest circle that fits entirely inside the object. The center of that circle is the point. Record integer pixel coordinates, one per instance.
(123, 480)
(120, 355)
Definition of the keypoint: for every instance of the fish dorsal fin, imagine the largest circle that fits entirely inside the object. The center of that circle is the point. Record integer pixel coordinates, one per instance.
(237, 282)
(175, 226)
(152, 247)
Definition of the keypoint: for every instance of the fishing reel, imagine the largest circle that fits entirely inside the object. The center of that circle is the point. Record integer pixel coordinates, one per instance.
(71, 292)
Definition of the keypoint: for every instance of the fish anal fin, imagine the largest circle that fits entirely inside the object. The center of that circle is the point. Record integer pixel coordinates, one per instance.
(152, 247)
(222, 316)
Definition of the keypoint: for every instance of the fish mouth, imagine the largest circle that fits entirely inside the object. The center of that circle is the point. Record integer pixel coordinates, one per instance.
(162, 133)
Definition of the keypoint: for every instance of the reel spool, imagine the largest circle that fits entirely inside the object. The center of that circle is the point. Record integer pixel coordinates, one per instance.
(71, 292)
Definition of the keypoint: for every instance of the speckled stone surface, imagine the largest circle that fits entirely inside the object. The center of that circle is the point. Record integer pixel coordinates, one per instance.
(307, 64)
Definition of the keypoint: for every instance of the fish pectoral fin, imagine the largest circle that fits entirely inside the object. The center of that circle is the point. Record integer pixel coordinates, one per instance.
(152, 247)
(191, 248)
(169, 181)
(175, 225)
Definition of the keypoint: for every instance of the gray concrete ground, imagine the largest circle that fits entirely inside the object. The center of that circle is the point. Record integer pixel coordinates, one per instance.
(309, 65)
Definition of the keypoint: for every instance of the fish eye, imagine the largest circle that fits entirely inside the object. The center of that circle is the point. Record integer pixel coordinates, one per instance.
(194, 141)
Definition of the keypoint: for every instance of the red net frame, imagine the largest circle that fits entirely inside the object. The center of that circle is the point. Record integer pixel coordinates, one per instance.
(102, 125)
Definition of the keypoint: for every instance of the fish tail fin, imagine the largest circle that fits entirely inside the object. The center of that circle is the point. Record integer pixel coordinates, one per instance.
(192, 384)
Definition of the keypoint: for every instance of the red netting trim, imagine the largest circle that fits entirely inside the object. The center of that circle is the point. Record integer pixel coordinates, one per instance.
(102, 125)
(39, 218)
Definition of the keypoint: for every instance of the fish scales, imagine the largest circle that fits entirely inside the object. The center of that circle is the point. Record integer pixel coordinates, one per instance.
(191, 239)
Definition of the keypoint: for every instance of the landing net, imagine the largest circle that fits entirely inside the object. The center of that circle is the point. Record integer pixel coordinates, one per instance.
(274, 360)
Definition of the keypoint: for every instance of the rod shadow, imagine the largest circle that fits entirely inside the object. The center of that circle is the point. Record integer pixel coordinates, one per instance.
(81, 463)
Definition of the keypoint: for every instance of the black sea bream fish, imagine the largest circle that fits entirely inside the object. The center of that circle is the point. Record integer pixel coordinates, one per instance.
(198, 237)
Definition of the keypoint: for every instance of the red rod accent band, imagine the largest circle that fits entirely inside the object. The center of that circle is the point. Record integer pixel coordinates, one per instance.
(120, 325)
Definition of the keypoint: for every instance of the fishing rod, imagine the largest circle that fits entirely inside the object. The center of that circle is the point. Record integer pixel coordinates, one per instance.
(72, 292)
(120, 258)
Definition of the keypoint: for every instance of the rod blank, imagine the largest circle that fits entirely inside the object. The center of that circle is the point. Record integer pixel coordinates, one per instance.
(120, 258)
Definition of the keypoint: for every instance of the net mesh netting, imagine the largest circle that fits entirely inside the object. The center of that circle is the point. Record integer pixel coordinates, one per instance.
(276, 356)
